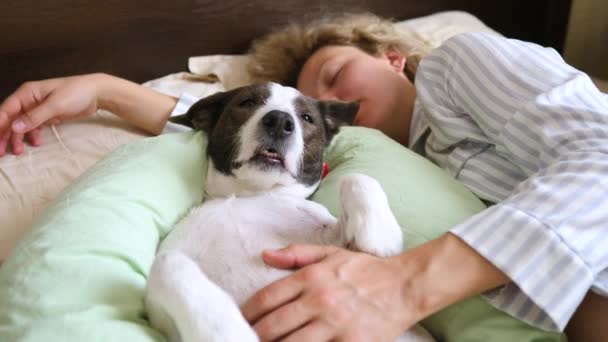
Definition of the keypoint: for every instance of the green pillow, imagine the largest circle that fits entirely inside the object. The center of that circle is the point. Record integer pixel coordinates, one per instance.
(80, 273)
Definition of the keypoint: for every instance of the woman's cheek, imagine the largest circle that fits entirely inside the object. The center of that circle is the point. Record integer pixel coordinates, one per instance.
(368, 116)
(347, 91)
(352, 84)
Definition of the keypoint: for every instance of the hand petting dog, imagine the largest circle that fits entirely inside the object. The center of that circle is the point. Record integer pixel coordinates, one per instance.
(336, 294)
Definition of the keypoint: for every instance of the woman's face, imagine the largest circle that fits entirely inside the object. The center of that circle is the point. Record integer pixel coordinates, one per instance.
(377, 83)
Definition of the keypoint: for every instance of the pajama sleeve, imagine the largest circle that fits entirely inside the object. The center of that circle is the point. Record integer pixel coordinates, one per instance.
(546, 121)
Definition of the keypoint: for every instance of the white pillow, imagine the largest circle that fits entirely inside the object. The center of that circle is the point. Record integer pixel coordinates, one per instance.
(436, 28)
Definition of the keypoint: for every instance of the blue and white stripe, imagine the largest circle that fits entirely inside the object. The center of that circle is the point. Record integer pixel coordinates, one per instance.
(521, 128)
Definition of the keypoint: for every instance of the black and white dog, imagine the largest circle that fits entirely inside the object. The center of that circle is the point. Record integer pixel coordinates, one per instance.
(265, 157)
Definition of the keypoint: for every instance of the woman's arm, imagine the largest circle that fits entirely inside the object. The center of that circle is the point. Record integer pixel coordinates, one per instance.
(140, 106)
(66, 98)
(444, 271)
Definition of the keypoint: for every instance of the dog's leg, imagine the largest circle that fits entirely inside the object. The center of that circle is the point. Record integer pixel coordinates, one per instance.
(369, 226)
(367, 221)
(188, 307)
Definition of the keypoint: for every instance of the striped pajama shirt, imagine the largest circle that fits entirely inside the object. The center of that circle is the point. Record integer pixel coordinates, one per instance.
(522, 129)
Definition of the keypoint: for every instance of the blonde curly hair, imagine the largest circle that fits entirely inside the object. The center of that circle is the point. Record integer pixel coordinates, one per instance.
(279, 56)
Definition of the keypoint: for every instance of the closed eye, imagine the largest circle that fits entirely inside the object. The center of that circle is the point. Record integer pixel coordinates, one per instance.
(334, 79)
(329, 72)
(247, 103)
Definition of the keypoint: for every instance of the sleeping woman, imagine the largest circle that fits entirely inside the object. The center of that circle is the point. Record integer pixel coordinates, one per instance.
(523, 130)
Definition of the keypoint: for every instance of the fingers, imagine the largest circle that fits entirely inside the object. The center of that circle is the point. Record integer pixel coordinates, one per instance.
(278, 309)
(4, 121)
(287, 289)
(297, 255)
(12, 106)
(283, 321)
(33, 137)
(4, 138)
(5, 132)
(17, 143)
(271, 297)
(314, 331)
(23, 112)
(34, 118)
(27, 97)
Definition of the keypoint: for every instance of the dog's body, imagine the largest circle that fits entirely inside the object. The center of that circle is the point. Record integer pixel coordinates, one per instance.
(265, 151)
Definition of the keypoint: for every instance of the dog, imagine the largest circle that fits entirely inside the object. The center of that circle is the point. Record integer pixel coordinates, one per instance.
(265, 157)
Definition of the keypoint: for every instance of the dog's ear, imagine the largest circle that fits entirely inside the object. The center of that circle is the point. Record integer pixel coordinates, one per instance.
(337, 114)
(204, 114)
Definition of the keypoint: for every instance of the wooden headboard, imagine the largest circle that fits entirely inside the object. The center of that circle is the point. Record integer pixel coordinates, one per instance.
(141, 40)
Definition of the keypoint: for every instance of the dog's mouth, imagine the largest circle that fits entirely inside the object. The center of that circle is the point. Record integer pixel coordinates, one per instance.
(269, 156)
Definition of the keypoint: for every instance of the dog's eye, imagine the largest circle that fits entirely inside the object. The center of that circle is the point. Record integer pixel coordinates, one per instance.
(247, 103)
(306, 117)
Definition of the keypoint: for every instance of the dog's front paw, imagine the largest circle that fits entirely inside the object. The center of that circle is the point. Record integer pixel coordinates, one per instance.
(367, 220)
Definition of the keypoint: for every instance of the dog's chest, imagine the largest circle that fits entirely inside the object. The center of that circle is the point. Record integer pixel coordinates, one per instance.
(226, 237)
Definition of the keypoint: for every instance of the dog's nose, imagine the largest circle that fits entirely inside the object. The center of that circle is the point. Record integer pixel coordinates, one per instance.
(278, 124)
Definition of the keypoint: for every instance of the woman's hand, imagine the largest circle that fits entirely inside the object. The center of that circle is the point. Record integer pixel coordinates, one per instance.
(59, 99)
(342, 295)
(339, 295)
(48, 101)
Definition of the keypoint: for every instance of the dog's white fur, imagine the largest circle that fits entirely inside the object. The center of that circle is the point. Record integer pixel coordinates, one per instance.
(250, 180)
(211, 262)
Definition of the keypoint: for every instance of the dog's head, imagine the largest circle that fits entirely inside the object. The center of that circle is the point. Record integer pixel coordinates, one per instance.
(266, 137)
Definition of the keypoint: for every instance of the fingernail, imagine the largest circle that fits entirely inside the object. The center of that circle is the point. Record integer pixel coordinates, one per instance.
(272, 252)
(18, 126)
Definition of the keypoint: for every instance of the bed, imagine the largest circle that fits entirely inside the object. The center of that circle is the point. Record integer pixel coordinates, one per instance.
(147, 41)
(143, 43)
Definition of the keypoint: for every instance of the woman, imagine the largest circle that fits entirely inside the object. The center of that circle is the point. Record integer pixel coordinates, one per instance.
(509, 119)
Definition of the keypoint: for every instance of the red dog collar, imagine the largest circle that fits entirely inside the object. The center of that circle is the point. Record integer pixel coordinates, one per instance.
(325, 170)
